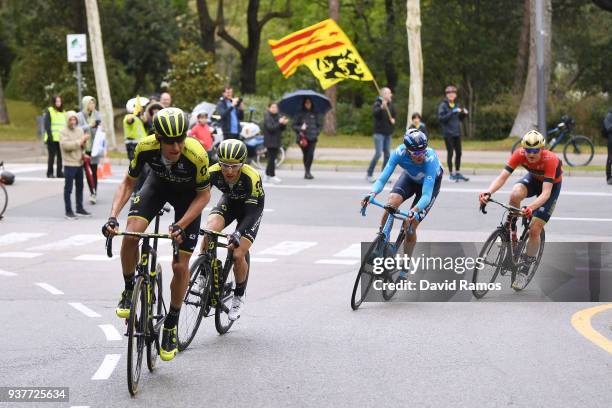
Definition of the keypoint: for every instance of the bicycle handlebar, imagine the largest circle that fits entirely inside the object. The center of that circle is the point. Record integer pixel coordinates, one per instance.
(392, 211)
(109, 241)
(510, 208)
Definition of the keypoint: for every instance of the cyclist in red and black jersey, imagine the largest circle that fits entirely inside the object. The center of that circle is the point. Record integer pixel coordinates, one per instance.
(543, 180)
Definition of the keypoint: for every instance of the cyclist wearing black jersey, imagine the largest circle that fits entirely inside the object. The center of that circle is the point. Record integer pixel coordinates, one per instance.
(243, 201)
(178, 175)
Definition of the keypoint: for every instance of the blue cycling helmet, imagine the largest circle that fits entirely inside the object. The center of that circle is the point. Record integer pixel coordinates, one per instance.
(415, 140)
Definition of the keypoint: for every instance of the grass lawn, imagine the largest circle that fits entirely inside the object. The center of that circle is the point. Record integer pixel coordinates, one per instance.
(22, 116)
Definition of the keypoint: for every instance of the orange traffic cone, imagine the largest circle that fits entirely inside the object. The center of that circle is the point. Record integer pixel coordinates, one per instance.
(100, 173)
(106, 167)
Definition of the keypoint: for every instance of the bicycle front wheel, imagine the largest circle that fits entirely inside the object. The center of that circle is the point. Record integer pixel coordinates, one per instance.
(137, 326)
(157, 313)
(224, 302)
(579, 151)
(3, 200)
(195, 302)
(493, 254)
(366, 276)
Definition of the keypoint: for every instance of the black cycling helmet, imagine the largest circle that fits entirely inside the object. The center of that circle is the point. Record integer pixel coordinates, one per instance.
(415, 140)
(171, 124)
(232, 151)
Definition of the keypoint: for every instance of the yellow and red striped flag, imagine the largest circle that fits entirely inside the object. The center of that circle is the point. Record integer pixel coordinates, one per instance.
(325, 49)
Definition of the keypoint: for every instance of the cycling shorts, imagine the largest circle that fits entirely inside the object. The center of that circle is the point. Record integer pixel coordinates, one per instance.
(534, 188)
(407, 187)
(248, 216)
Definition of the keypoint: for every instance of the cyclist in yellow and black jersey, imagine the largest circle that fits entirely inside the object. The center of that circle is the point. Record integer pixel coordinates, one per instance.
(179, 176)
(243, 201)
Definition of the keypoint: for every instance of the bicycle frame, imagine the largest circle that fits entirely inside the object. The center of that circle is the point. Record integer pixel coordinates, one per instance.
(215, 264)
(393, 214)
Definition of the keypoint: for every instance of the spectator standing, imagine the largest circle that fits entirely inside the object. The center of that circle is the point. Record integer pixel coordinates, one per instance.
(273, 127)
(417, 123)
(133, 131)
(307, 126)
(383, 129)
(151, 110)
(55, 120)
(165, 100)
(201, 132)
(607, 127)
(229, 108)
(72, 143)
(89, 120)
(450, 115)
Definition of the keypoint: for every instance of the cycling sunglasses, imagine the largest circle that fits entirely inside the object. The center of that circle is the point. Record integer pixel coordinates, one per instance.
(417, 153)
(230, 166)
(532, 151)
(173, 140)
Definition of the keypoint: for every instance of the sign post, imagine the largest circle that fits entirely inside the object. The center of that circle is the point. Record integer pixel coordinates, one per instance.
(77, 52)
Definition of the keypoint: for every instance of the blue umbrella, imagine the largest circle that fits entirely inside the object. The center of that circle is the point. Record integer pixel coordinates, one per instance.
(292, 102)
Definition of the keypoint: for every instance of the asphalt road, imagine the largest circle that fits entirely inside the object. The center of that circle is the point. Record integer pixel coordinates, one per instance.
(298, 342)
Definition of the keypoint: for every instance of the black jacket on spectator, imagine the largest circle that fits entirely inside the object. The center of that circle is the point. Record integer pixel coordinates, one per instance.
(314, 125)
(381, 118)
(607, 125)
(272, 130)
(450, 122)
(422, 128)
(224, 111)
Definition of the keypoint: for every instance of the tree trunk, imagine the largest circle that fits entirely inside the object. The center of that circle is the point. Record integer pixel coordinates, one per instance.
(4, 118)
(99, 66)
(390, 70)
(330, 125)
(527, 117)
(249, 54)
(604, 4)
(207, 27)
(413, 28)
(523, 50)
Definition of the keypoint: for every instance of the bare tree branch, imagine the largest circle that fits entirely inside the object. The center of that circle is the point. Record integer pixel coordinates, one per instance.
(276, 14)
(224, 34)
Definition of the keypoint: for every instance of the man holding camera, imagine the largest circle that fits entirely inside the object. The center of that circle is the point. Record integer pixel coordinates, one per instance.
(231, 112)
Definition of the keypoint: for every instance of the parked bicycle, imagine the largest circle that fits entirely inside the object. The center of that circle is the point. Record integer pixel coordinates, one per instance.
(578, 150)
(148, 310)
(211, 286)
(380, 247)
(3, 194)
(502, 253)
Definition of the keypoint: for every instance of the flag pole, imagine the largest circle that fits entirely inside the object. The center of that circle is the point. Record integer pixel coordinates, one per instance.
(378, 90)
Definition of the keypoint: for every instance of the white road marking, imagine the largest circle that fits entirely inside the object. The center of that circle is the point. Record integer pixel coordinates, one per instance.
(70, 242)
(51, 289)
(94, 257)
(581, 219)
(269, 210)
(84, 309)
(110, 332)
(263, 260)
(7, 273)
(80, 406)
(17, 237)
(19, 254)
(353, 251)
(107, 367)
(288, 248)
(337, 261)
(165, 258)
(27, 169)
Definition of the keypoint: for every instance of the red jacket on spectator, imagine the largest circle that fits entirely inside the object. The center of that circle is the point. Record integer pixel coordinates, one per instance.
(203, 134)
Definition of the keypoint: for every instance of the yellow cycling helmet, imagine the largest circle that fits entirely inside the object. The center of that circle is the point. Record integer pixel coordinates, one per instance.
(171, 124)
(533, 140)
(232, 151)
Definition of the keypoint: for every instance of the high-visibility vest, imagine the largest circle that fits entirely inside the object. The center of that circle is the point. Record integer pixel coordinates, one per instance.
(134, 131)
(58, 122)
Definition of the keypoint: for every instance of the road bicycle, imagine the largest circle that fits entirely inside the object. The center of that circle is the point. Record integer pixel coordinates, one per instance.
(578, 150)
(3, 194)
(211, 287)
(380, 247)
(503, 252)
(148, 310)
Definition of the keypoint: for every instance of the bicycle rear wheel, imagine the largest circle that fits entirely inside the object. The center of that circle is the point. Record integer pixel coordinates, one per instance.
(365, 276)
(516, 145)
(228, 285)
(137, 325)
(157, 304)
(534, 267)
(3, 199)
(195, 302)
(261, 159)
(493, 254)
(578, 151)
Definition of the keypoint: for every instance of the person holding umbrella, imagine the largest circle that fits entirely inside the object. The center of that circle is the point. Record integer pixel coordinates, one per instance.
(307, 108)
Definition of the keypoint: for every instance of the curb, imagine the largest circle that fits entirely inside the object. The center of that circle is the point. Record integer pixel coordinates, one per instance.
(341, 168)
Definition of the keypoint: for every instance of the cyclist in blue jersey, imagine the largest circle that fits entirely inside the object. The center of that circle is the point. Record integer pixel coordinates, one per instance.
(422, 177)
